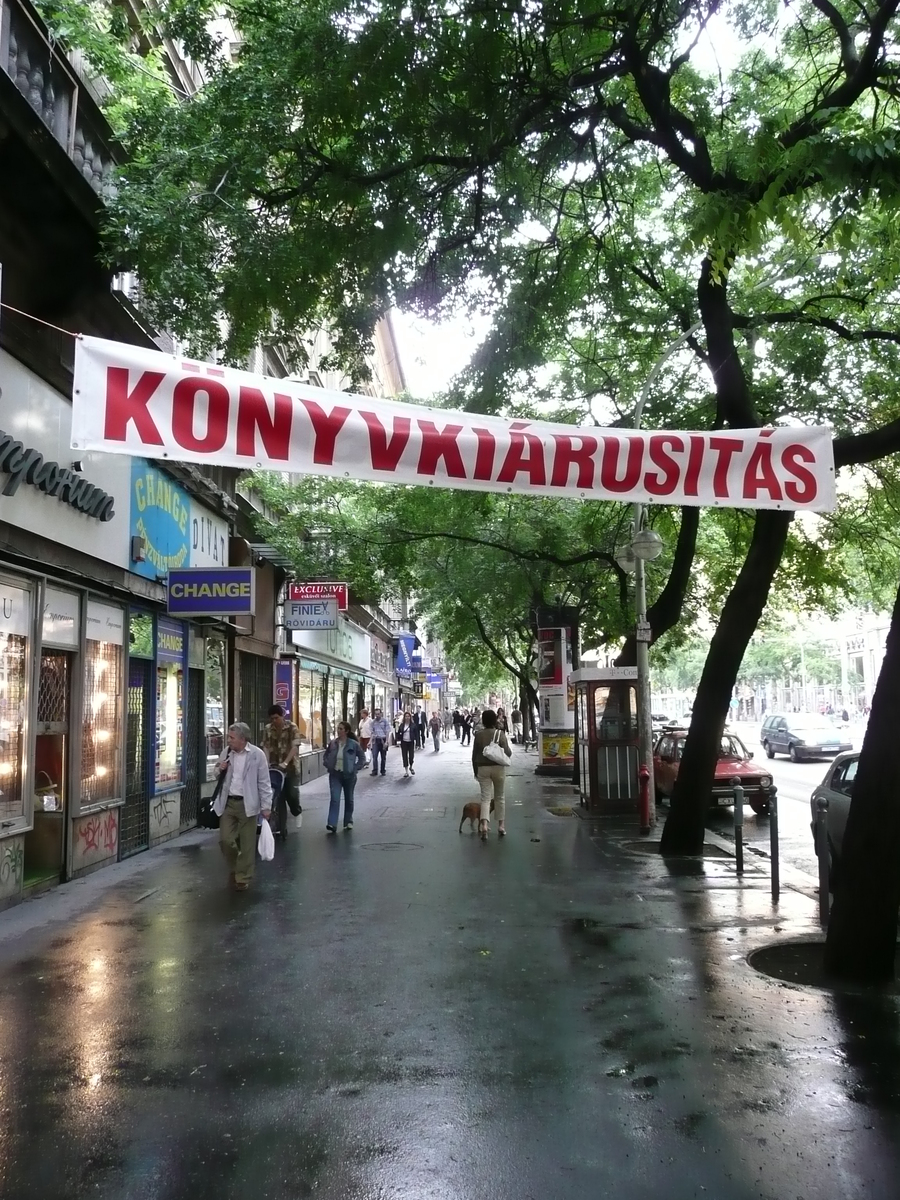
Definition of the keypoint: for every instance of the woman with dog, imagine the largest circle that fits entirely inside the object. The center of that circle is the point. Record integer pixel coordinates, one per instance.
(406, 740)
(491, 775)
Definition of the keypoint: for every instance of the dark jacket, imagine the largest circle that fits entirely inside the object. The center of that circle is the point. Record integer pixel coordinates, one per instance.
(354, 757)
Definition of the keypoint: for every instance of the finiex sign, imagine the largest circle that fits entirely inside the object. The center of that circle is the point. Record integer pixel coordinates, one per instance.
(211, 592)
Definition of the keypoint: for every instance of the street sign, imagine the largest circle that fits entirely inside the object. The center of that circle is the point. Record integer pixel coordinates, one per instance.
(320, 591)
(311, 614)
(643, 632)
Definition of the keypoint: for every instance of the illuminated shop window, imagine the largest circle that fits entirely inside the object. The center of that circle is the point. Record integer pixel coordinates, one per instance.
(15, 619)
(101, 744)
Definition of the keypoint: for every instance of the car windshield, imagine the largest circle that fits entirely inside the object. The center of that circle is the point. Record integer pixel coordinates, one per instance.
(808, 721)
(732, 747)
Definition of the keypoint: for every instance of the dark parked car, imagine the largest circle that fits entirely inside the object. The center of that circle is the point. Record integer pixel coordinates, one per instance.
(732, 767)
(801, 735)
(837, 788)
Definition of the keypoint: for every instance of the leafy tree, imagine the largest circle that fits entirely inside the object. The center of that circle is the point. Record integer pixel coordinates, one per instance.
(574, 170)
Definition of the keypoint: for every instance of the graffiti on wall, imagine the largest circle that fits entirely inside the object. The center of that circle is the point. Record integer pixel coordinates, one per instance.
(12, 863)
(163, 809)
(100, 832)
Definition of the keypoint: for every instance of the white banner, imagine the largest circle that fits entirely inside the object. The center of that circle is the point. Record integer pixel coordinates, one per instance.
(129, 400)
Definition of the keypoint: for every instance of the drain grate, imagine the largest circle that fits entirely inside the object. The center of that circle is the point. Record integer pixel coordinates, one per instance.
(392, 846)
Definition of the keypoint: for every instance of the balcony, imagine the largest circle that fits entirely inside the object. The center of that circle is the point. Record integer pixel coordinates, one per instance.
(53, 91)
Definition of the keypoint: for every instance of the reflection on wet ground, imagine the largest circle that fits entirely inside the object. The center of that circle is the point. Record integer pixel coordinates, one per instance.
(550, 1015)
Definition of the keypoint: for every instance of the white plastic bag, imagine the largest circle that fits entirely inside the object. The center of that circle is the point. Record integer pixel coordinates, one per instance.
(266, 842)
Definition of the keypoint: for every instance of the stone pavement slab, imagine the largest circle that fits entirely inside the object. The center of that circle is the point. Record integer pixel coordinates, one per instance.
(404, 1011)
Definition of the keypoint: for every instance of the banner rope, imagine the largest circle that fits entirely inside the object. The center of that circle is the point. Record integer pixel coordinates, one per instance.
(31, 317)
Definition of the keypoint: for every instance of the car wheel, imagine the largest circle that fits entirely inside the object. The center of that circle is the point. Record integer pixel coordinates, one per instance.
(760, 807)
(792, 753)
(770, 752)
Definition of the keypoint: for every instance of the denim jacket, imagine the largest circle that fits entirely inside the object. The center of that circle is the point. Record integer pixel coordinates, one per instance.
(354, 756)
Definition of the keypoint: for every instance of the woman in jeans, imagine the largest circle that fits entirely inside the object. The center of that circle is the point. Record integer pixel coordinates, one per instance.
(343, 758)
(405, 738)
(491, 776)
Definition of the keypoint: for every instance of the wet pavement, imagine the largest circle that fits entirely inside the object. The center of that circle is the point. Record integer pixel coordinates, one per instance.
(407, 1012)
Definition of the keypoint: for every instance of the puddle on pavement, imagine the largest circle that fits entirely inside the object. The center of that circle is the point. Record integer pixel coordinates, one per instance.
(592, 932)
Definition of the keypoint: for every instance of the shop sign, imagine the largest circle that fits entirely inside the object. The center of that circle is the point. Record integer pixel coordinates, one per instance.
(15, 611)
(405, 646)
(434, 680)
(284, 685)
(169, 641)
(207, 592)
(105, 623)
(557, 749)
(209, 537)
(381, 659)
(161, 515)
(62, 618)
(320, 591)
(346, 643)
(310, 614)
(24, 464)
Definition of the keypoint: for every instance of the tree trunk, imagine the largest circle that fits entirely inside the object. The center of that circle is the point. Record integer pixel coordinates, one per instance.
(684, 829)
(862, 933)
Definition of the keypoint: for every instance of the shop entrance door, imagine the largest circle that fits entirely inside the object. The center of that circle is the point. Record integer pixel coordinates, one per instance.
(134, 830)
(45, 844)
(194, 749)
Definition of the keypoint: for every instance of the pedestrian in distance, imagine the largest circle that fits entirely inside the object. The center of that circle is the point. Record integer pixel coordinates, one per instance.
(421, 720)
(516, 717)
(457, 722)
(436, 726)
(343, 758)
(281, 743)
(491, 775)
(364, 731)
(381, 736)
(406, 740)
(465, 725)
(245, 796)
(447, 722)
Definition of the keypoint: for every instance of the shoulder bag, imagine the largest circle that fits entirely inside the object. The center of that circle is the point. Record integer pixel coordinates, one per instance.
(494, 752)
(207, 817)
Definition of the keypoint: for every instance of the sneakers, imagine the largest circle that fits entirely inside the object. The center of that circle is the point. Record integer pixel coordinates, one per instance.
(347, 828)
(330, 829)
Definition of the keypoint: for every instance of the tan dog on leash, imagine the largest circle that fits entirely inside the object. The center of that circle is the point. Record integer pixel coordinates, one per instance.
(472, 813)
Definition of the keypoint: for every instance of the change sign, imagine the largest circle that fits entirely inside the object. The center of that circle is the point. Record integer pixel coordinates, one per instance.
(206, 592)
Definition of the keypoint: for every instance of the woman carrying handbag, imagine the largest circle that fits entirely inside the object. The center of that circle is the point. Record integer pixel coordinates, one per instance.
(490, 754)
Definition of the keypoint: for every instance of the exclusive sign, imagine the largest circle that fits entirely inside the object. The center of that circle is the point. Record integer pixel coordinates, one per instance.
(131, 400)
(212, 592)
(311, 614)
(320, 591)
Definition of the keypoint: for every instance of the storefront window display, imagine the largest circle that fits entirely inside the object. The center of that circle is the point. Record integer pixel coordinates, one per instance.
(336, 710)
(170, 647)
(15, 624)
(310, 686)
(101, 763)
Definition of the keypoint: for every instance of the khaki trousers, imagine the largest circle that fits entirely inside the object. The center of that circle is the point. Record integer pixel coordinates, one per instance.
(237, 838)
(492, 781)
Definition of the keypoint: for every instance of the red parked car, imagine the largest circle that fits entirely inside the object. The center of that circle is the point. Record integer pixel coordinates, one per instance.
(733, 767)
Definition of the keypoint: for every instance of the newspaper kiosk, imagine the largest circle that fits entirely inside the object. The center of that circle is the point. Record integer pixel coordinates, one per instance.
(606, 715)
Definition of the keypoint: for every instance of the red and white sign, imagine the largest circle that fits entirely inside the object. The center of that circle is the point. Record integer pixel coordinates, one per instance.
(319, 591)
(129, 400)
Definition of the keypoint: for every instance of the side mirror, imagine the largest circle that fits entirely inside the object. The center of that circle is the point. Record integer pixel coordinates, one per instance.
(750, 754)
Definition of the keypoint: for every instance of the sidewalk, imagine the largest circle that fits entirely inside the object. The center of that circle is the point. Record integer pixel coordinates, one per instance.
(407, 1012)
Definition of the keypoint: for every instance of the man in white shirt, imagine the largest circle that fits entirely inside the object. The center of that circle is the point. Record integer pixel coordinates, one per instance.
(245, 794)
(364, 732)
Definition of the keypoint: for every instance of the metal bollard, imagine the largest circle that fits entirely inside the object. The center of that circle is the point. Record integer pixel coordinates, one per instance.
(822, 854)
(773, 844)
(739, 828)
(644, 778)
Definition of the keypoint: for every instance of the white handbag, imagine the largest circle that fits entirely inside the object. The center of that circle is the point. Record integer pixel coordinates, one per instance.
(494, 752)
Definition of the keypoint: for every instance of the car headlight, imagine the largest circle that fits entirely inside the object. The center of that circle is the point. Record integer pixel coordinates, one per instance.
(801, 741)
(766, 781)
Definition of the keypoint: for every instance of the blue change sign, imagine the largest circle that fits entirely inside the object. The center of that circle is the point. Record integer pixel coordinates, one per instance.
(160, 514)
(212, 592)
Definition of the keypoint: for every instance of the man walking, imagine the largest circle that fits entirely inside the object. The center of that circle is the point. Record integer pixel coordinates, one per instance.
(245, 794)
(381, 732)
(364, 732)
(457, 722)
(281, 742)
